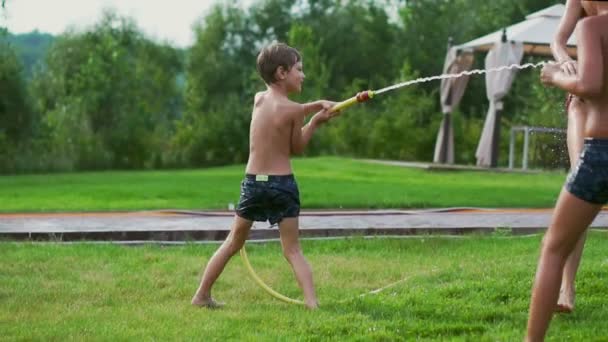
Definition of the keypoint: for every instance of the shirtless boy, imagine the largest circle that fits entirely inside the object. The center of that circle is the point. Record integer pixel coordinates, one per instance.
(269, 191)
(586, 188)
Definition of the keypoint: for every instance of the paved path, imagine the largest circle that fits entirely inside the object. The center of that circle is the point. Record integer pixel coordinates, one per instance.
(172, 225)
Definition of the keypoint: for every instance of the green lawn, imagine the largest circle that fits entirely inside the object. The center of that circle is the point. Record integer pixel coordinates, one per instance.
(324, 183)
(473, 288)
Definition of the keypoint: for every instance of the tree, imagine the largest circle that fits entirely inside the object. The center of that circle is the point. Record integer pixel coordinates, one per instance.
(219, 91)
(360, 43)
(31, 48)
(108, 96)
(17, 121)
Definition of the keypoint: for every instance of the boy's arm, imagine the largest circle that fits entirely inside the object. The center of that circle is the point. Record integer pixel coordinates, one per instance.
(300, 136)
(589, 80)
(567, 24)
(313, 107)
(310, 107)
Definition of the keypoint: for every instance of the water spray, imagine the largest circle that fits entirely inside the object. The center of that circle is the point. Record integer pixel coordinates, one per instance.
(362, 97)
(369, 94)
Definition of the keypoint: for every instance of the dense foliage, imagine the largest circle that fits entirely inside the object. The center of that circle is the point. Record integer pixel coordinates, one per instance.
(110, 97)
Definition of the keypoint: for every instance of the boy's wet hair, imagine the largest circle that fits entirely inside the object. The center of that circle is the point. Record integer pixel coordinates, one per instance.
(273, 56)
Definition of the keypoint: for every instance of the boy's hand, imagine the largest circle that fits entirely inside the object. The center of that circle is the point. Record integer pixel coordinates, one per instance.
(569, 67)
(548, 73)
(325, 114)
(322, 117)
(326, 104)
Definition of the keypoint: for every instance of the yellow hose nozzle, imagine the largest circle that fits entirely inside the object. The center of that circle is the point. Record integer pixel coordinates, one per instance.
(360, 97)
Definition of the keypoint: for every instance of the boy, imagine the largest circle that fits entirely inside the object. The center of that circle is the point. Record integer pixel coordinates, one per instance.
(586, 188)
(577, 118)
(269, 190)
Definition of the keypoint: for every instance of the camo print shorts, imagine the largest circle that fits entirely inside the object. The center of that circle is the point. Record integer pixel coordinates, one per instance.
(269, 198)
(589, 180)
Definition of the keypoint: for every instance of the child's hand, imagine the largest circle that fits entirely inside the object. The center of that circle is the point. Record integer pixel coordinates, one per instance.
(326, 104)
(569, 67)
(548, 73)
(330, 105)
(324, 115)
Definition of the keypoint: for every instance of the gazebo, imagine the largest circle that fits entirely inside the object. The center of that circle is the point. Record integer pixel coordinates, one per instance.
(532, 36)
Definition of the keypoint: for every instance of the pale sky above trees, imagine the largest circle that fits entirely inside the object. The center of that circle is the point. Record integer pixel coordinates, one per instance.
(162, 20)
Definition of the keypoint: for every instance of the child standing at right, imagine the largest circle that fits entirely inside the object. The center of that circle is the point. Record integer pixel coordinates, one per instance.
(586, 188)
(577, 117)
(269, 191)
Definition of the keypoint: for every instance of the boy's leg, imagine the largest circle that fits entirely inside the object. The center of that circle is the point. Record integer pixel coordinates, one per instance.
(570, 219)
(577, 117)
(293, 253)
(575, 134)
(565, 302)
(235, 240)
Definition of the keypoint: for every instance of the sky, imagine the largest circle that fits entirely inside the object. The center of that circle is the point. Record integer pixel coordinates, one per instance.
(162, 20)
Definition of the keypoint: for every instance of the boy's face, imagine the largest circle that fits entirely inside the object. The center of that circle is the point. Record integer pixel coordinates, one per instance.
(294, 78)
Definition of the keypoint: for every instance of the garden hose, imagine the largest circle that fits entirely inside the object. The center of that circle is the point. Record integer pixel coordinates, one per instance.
(263, 285)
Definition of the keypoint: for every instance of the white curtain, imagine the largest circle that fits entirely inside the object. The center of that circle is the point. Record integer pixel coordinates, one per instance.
(452, 90)
(497, 86)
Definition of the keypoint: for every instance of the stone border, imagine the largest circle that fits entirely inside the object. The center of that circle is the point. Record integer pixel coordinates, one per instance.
(255, 234)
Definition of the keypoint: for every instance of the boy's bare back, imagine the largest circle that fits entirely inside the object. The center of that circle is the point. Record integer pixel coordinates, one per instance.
(277, 124)
(270, 134)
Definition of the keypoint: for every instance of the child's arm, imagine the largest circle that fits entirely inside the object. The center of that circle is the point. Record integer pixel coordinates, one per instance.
(312, 107)
(589, 80)
(300, 136)
(565, 29)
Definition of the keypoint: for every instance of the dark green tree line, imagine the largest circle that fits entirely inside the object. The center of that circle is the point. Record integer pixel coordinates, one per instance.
(109, 97)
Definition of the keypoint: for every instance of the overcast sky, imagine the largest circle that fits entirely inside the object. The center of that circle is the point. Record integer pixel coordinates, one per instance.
(163, 20)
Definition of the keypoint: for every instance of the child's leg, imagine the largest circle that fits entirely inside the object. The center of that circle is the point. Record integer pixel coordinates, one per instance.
(575, 134)
(565, 302)
(577, 117)
(570, 219)
(293, 253)
(235, 240)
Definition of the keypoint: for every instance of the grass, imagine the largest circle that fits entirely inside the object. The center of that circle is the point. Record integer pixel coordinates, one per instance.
(325, 182)
(469, 288)
(473, 288)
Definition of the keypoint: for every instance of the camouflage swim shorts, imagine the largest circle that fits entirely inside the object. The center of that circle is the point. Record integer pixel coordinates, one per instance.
(589, 180)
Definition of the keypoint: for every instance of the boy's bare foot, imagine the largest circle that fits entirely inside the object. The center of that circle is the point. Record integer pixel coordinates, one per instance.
(208, 303)
(312, 305)
(565, 303)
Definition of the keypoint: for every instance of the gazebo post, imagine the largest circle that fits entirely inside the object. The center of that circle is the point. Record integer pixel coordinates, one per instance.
(533, 37)
(496, 136)
(446, 122)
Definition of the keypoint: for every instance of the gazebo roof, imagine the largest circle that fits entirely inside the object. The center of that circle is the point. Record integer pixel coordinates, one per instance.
(536, 33)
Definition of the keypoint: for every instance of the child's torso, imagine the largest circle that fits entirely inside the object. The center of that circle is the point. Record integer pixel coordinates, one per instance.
(269, 138)
(597, 107)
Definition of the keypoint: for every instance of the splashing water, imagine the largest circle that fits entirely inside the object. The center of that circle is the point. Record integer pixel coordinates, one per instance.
(464, 73)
